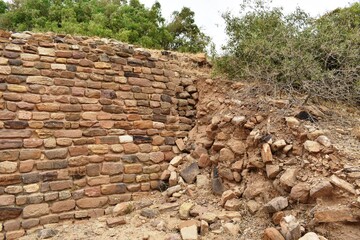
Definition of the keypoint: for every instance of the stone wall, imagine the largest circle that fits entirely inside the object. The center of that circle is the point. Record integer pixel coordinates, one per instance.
(84, 124)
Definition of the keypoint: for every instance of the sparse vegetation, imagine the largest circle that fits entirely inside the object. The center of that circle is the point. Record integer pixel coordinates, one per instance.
(295, 52)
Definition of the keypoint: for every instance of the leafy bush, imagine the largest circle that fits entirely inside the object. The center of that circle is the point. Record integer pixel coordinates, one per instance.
(294, 52)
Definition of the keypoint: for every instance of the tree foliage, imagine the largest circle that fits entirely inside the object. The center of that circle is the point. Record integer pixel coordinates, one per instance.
(294, 52)
(125, 20)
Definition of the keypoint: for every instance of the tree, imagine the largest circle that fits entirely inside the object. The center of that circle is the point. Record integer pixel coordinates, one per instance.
(128, 21)
(3, 6)
(187, 36)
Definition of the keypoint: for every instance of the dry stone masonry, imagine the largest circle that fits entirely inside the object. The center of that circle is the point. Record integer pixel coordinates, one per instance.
(84, 123)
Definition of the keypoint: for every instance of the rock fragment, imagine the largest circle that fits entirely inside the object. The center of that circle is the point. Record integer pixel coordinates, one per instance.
(189, 173)
(276, 204)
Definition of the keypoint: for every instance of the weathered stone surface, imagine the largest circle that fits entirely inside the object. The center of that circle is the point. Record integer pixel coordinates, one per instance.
(7, 213)
(312, 146)
(184, 210)
(96, 202)
(180, 144)
(15, 133)
(59, 153)
(266, 153)
(226, 155)
(272, 234)
(10, 144)
(290, 227)
(233, 204)
(41, 80)
(63, 206)
(204, 160)
(300, 192)
(272, 171)
(342, 184)
(115, 188)
(321, 189)
(8, 167)
(292, 122)
(323, 140)
(149, 212)
(6, 180)
(288, 179)
(310, 236)
(278, 144)
(336, 214)
(123, 209)
(232, 229)
(188, 230)
(35, 210)
(115, 221)
(46, 233)
(276, 204)
(189, 173)
(157, 157)
(227, 195)
(238, 147)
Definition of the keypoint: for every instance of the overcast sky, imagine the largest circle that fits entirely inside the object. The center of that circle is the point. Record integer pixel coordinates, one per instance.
(208, 12)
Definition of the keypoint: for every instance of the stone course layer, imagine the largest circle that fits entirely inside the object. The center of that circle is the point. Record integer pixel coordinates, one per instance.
(84, 124)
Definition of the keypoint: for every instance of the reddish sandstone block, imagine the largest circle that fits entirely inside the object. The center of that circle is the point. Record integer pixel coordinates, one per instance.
(59, 153)
(63, 206)
(133, 168)
(139, 82)
(94, 132)
(53, 218)
(157, 157)
(35, 210)
(143, 124)
(10, 144)
(113, 188)
(7, 115)
(15, 133)
(12, 225)
(78, 150)
(9, 155)
(111, 168)
(130, 148)
(107, 140)
(61, 185)
(93, 170)
(93, 181)
(12, 179)
(29, 223)
(52, 164)
(30, 154)
(96, 213)
(92, 202)
(33, 143)
(14, 234)
(68, 133)
(48, 107)
(98, 148)
(7, 200)
(92, 192)
(26, 166)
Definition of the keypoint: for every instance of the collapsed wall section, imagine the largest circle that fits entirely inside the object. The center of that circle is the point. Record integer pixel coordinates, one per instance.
(84, 123)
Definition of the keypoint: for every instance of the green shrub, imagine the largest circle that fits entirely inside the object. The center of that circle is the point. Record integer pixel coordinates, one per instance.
(294, 52)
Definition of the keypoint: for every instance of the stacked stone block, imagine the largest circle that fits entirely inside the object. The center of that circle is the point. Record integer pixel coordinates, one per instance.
(84, 124)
